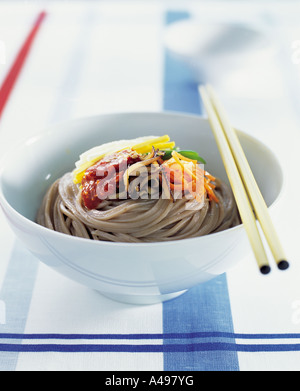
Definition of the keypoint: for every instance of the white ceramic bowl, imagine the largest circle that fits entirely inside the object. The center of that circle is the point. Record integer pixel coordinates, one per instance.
(133, 273)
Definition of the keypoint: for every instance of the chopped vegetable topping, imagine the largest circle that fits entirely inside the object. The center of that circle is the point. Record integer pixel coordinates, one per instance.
(179, 171)
(186, 175)
(92, 156)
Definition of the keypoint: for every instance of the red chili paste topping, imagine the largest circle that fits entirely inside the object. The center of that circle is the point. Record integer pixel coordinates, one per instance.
(110, 169)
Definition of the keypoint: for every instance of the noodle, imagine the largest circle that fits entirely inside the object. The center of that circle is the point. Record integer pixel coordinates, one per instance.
(136, 221)
(138, 191)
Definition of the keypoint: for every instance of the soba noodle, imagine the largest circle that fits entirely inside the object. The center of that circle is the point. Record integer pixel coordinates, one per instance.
(134, 221)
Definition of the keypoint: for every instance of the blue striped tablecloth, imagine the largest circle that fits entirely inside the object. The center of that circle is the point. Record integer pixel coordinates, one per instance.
(92, 58)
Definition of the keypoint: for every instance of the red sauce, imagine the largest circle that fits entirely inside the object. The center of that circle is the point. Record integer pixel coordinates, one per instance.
(110, 170)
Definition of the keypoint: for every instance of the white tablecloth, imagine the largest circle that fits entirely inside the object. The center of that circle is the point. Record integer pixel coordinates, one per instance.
(99, 57)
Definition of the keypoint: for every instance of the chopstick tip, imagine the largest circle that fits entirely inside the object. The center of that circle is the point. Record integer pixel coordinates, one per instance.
(283, 265)
(265, 269)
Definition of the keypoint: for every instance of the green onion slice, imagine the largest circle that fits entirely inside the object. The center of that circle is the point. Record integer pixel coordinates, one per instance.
(189, 154)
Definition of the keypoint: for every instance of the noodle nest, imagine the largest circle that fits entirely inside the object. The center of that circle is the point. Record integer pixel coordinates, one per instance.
(135, 221)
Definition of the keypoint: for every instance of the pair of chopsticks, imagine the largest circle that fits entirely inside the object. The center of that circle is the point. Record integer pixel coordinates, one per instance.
(245, 189)
(14, 72)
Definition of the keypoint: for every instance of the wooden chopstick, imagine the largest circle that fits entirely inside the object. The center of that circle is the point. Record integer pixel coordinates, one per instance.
(16, 68)
(253, 191)
(237, 185)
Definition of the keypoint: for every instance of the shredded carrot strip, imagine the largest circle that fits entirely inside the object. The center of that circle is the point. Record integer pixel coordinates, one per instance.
(212, 178)
(210, 192)
(195, 174)
(177, 158)
(176, 187)
(183, 157)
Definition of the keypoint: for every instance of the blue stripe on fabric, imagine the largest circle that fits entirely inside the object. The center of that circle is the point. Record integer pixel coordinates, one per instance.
(205, 307)
(180, 90)
(207, 348)
(194, 335)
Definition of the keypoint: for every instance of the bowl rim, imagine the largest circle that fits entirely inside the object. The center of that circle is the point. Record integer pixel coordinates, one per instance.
(53, 128)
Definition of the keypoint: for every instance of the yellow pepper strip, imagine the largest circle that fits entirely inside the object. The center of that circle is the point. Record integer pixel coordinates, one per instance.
(157, 140)
(79, 172)
(160, 146)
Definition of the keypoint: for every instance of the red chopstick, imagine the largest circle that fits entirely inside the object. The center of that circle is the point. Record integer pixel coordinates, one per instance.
(16, 68)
